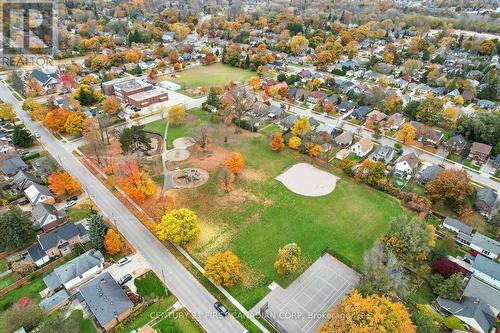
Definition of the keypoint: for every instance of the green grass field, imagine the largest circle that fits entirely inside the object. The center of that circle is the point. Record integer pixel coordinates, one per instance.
(180, 322)
(32, 290)
(84, 325)
(216, 75)
(260, 215)
(149, 285)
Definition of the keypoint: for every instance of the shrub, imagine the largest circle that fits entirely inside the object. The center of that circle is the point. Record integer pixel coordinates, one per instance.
(453, 323)
(446, 268)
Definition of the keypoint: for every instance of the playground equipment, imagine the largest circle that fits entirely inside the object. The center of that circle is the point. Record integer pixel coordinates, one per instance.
(190, 175)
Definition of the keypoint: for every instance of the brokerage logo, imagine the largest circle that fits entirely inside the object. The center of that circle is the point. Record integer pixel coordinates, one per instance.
(29, 32)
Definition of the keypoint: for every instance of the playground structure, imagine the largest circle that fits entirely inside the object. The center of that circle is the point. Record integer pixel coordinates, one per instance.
(190, 177)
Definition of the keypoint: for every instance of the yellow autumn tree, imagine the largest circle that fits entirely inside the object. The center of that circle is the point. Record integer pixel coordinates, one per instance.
(294, 142)
(235, 162)
(177, 115)
(301, 127)
(277, 142)
(223, 268)
(406, 133)
(288, 259)
(74, 123)
(112, 242)
(179, 226)
(371, 314)
(314, 150)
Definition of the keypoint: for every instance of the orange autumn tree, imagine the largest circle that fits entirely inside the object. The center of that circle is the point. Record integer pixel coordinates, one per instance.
(56, 119)
(136, 183)
(277, 142)
(235, 163)
(112, 242)
(371, 314)
(60, 182)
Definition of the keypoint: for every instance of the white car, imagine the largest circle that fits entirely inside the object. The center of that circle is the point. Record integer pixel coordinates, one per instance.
(37, 135)
(70, 203)
(123, 261)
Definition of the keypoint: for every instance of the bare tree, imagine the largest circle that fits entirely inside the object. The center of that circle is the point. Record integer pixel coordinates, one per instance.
(237, 102)
(202, 135)
(227, 178)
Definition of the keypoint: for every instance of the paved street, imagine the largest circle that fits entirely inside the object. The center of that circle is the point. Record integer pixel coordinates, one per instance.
(187, 289)
(480, 178)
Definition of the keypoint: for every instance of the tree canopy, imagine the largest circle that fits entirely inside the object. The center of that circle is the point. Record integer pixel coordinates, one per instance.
(17, 229)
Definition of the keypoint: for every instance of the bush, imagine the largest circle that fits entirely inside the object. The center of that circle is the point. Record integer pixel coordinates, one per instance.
(446, 268)
(425, 322)
(30, 156)
(453, 323)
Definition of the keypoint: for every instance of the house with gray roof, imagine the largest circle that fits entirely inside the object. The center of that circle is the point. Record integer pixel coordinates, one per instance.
(486, 270)
(456, 144)
(55, 301)
(472, 311)
(12, 165)
(47, 217)
(485, 201)
(485, 245)
(106, 300)
(394, 122)
(361, 112)
(345, 139)
(457, 226)
(58, 242)
(46, 80)
(383, 154)
(288, 122)
(429, 174)
(75, 271)
(37, 193)
(22, 180)
(478, 288)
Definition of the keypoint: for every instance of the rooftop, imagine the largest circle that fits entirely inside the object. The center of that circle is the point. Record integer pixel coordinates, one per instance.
(143, 95)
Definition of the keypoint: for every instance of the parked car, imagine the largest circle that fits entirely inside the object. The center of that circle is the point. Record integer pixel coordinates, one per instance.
(221, 308)
(37, 135)
(72, 198)
(70, 203)
(123, 261)
(24, 152)
(125, 279)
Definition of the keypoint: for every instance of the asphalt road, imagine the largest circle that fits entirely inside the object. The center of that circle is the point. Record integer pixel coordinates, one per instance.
(177, 278)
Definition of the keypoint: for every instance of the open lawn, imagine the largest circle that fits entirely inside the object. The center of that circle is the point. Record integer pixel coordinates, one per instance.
(8, 279)
(146, 314)
(84, 325)
(180, 322)
(260, 215)
(195, 117)
(215, 75)
(32, 290)
(149, 285)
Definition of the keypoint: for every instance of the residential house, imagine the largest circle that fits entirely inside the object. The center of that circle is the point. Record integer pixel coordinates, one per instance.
(405, 165)
(12, 165)
(288, 122)
(46, 80)
(275, 112)
(485, 245)
(345, 106)
(37, 193)
(394, 122)
(496, 164)
(345, 139)
(361, 112)
(375, 117)
(427, 134)
(22, 180)
(316, 96)
(456, 144)
(486, 104)
(457, 226)
(325, 128)
(58, 242)
(486, 270)
(429, 174)
(55, 301)
(342, 154)
(304, 74)
(383, 154)
(472, 311)
(483, 290)
(479, 152)
(75, 271)
(362, 147)
(106, 300)
(46, 216)
(485, 201)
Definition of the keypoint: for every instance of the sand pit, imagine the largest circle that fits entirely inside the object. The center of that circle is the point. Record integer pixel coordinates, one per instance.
(177, 155)
(307, 180)
(184, 142)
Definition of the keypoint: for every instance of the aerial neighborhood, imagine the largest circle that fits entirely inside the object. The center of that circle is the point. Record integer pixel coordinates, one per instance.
(249, 166)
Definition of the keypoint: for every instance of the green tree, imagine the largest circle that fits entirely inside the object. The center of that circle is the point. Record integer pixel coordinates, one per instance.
(430, 111)
(213, 98)
(425, 322)
(411, 109)
(288, 259)
(97, 231)
(137, 70)
(135, 139)
(179, 226)
(451, 288)
(21, 137)
(86, 95)
(17, 229)
(409, 238)
(481, 126)
(16, 317)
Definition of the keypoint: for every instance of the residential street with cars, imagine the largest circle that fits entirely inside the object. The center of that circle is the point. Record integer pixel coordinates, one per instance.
(177, 278)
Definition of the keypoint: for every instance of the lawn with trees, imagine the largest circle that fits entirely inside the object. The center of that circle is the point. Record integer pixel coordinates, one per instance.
(258, 215)
(216, 75)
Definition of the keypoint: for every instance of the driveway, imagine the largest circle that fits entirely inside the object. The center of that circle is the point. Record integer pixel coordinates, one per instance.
(137, 266)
